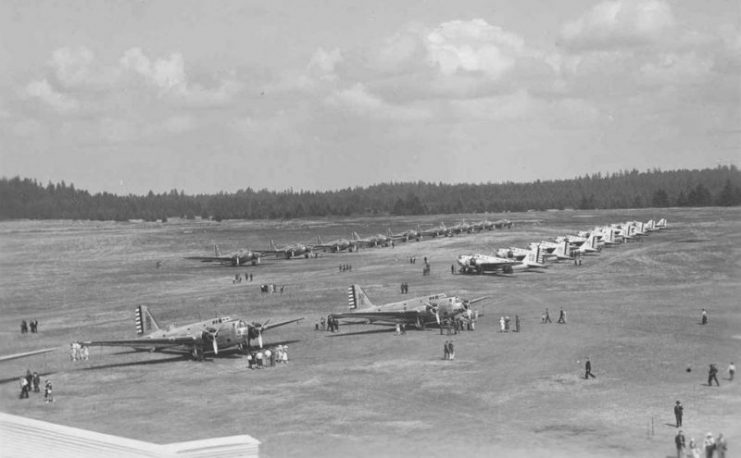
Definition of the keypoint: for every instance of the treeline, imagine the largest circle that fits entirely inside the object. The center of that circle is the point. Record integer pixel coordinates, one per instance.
(721, 186)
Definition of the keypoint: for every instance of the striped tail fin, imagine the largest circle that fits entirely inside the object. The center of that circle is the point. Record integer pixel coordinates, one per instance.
(145, 322)
(356, 298)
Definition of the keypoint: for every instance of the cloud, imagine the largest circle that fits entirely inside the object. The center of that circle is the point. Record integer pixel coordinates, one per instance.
(672, 68)
(453, 59)
(166, 74)
(322, 64)
(473, 46)
(618, 23)
(169, 77)
(43, 91)
(359, 101)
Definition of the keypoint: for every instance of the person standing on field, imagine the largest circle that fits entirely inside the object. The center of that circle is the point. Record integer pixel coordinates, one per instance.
(678, 411)
(713, 375)
(588, 370)
(679, 442)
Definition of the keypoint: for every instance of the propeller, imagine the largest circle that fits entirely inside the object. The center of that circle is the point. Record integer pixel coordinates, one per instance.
(210, 334)
(435, 310)
(254, 331)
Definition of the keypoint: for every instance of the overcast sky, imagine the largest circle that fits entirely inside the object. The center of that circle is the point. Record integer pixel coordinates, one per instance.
(204, 96)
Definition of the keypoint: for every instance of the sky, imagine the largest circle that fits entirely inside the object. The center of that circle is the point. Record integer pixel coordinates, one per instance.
(209, 96)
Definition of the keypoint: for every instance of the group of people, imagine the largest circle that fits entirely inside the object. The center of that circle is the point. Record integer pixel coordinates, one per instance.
(448, 350)
(546, 317)
(345, 267)
(459, 323)
(32, 326)
(78, 352)
(238, 278)
(270, 288)
(31, 381)
(268, 357)
(404, 288)
(710, 445)
(713, 373)
(330, 324)
(504, 324)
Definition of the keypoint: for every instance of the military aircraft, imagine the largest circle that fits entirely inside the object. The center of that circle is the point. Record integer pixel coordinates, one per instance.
(418, 311)
(507, 261)
(334, 246)
(236, 259)
(26, 354)
(405, 236)
(372, 241)
(483, 225)
(483, 263)
(289, 251)
(198, 339)
(438, 231)
(557, 251)
(502, 223)
(460, 228)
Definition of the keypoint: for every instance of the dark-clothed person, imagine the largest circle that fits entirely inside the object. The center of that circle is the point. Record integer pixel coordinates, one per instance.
(678, 411)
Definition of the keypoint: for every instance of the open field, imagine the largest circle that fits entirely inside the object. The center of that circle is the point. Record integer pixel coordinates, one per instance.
(634, 309)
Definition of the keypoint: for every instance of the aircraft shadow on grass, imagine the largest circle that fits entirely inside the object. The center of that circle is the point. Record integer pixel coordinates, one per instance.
(360, 333)
(137, 363)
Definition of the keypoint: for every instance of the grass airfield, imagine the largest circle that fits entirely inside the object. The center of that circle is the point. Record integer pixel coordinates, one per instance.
(634, 309)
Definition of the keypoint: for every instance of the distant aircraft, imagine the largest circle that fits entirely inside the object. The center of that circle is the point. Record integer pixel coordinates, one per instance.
(372, 241)
(26, 354)
(433, 231)
(418, 311)
(199, 338)
(483, 225)
(507, 261)
(481, 263)
(405, 236)
(334, 246)
(559, 251)
(236, 259)
(289, 251)
(460, 228)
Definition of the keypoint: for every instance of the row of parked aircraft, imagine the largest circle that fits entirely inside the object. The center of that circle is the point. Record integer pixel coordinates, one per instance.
(510, 260)
(245, 257)
(209, 337)
(224, 333)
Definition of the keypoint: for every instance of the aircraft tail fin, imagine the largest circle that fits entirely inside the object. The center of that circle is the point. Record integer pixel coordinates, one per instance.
(356, 298)
(535, 256)
(145, 322)
(563, 250)
(272, 245)
(217, 251)
(355, 236)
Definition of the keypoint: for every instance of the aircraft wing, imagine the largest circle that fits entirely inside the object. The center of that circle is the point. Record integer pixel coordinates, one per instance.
(210, 258)
(165, 341)
(282, 323)
(26, 354)
(478, 299)
(401, 316)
